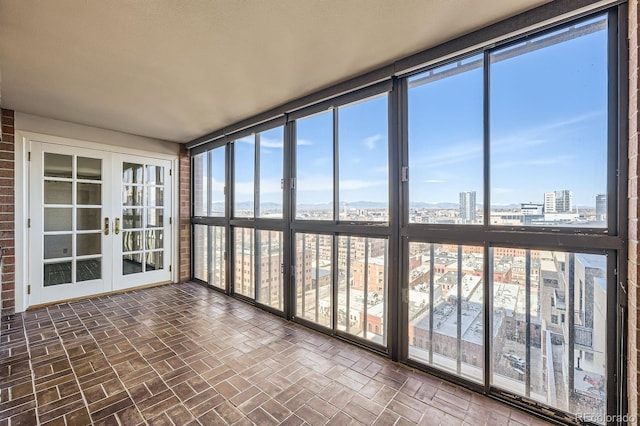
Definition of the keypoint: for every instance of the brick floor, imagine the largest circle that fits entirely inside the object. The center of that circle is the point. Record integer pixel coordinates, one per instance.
(184, 355)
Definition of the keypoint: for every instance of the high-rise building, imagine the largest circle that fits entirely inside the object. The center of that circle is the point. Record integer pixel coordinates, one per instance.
(558, 201)
(468, 206)
(601, 207)
(549, 202)
(564, 201)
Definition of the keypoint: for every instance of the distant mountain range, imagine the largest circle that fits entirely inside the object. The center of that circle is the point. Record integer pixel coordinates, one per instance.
(373, 205)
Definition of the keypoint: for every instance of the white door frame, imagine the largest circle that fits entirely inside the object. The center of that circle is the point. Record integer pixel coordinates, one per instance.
(21, 179)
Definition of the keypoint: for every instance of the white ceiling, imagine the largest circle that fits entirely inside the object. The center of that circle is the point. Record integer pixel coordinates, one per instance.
(175, 69)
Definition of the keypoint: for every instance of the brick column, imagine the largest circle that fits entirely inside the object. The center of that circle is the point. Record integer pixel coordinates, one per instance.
(634, 257)
(184, 198)
(7, 211)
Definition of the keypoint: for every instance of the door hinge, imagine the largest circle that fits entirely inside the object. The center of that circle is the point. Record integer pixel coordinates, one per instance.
(29, 156)
(404, 174)
(170, 221)
(293, 183)
(169, 172)
(282, 268)
(169, 268)
(28, 223)
(29, 289)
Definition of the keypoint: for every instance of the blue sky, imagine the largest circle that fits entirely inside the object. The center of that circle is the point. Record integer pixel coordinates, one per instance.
(547, 127)
(548, 117)
(363, 141)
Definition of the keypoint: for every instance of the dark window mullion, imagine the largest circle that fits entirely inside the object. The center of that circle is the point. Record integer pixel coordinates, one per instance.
(317, 259)
(304, 281)
(336, 167)
(487, 310)
(571, 324)
(210, 254)
(281, 272)
(270, 277)
(527, 268)
(347, 286)
(229, 255)
(336, 282)
(385, 298)
(257, 271)
(365, 287)
(459, 314)
(486, 120)
(288, 215)
(256, 176)
(431, 301)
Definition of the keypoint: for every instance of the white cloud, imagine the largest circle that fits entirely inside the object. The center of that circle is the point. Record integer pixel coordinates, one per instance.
(370, 142)
(452, 153)
(304, 142)
(270, 143)
(550, 161)
(461, 151)
(247, 139)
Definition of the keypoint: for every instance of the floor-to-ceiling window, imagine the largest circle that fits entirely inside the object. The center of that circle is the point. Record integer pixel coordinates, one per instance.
(511, 213)
(341, 220)
(463, 217)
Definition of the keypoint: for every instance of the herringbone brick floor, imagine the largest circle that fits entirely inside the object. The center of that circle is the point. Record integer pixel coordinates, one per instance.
(182, 354)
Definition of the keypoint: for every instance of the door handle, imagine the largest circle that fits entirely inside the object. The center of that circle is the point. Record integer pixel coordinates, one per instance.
(117, 230)
(106, 226)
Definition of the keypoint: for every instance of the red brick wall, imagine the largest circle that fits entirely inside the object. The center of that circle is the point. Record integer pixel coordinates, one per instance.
(184, 188)
(7, 211)
(634, 326)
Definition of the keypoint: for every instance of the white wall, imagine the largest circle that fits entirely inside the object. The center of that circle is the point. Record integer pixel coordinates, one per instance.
(65, 129)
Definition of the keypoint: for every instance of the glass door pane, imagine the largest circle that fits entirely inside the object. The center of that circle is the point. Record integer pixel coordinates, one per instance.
(69, 231)
(446, 320)
(132, 218)
(314, 278)
(362, 287)
(550, 315)
(142, 224)
(244, 279)
(200, 253)
(71, 214)
(270, 246)
(217, 244)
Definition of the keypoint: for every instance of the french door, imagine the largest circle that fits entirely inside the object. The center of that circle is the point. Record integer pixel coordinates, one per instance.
(99, 222)
(142, 233)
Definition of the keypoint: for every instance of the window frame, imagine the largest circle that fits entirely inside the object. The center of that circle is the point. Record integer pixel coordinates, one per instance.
(610, 241)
